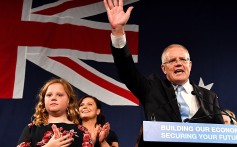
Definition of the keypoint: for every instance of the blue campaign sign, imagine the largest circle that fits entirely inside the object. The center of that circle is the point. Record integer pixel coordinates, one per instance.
(156, 131)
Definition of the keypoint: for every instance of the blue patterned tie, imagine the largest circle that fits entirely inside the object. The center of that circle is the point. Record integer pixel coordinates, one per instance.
(184, 109)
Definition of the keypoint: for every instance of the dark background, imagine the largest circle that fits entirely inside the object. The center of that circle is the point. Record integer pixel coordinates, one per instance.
(208, 30)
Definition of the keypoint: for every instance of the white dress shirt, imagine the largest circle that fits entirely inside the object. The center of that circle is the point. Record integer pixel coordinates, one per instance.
(189, 98)
(118, 42)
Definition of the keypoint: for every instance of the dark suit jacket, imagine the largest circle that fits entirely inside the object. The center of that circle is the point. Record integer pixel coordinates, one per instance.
(157, 95)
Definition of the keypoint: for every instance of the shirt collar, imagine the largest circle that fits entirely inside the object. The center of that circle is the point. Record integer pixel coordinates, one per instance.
(188, 88)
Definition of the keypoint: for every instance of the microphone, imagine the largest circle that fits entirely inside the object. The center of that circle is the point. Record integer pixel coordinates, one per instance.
(197, 118)
(199, 95)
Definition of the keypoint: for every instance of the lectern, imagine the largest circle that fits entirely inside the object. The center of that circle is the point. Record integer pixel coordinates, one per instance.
(156, 131)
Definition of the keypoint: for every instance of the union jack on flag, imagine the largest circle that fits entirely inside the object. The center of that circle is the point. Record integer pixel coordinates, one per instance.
(60, 36)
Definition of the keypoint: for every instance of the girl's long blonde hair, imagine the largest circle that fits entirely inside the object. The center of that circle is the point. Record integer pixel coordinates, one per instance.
(41, 115)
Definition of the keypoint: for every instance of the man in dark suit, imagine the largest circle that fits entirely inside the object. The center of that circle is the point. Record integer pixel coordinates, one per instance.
(157, 95)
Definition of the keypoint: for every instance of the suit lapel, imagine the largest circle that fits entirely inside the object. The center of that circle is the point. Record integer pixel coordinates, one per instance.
(172, 99)
(200, 100)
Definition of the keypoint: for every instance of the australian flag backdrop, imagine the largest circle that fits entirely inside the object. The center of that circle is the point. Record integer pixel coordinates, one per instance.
(41, 39)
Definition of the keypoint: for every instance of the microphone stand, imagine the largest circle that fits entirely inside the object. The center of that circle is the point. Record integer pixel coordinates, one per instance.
(225, 113)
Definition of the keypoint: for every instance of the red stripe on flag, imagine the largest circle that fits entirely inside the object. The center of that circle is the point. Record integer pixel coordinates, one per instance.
(78, 37)
(96, 79)
(10, 18)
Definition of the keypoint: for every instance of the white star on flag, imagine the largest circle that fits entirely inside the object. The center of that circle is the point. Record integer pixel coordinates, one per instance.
(201, 84)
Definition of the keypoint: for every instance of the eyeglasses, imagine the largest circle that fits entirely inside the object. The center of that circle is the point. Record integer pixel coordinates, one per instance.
(173, 61)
